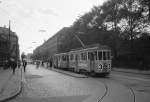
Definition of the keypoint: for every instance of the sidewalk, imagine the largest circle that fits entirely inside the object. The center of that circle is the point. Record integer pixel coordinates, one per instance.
(131, 71)
(10, 85)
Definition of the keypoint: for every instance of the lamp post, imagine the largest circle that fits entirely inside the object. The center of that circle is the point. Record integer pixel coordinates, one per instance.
(9, 42)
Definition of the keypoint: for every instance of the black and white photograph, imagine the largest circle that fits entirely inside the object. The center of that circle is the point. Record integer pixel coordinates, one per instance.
(74, 50)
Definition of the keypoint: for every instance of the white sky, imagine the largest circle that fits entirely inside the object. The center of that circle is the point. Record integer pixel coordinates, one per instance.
(29, 16)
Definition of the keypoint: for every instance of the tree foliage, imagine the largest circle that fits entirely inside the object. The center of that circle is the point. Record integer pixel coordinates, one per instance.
(116, 23)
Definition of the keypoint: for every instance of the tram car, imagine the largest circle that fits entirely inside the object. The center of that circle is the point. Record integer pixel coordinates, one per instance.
(61, 60)
(94, 59)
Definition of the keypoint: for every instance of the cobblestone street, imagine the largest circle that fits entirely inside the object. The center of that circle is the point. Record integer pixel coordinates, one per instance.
(43, 85)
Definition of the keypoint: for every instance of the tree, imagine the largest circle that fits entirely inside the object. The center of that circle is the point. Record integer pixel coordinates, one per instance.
(146, 7)
(109, 19)
(131, 19)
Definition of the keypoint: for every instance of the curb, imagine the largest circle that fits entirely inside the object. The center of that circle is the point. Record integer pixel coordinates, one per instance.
(18, 91)
(130, 72)
(68, 73)
(14, 95)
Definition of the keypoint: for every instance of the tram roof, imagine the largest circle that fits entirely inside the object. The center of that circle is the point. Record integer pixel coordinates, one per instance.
(89, 47)
(93, 46)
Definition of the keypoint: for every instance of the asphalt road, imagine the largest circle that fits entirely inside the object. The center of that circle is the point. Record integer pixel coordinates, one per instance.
(44, 85)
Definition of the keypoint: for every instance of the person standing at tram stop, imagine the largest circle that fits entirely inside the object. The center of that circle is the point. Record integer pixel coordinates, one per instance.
(24, 65)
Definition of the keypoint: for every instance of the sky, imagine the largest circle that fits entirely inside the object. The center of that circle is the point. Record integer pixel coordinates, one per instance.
(37, 20)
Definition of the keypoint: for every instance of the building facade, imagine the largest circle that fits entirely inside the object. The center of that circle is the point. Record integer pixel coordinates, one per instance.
(50, 47)
(9, 46)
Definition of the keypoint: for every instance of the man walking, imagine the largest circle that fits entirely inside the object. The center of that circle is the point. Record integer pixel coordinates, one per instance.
(24, 65)
(24, 62)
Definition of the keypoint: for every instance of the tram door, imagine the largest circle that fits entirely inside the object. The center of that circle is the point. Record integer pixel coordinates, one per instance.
(92, 60)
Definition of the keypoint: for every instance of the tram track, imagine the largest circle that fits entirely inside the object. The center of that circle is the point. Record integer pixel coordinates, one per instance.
(134, 96)
(106, 92)
(131, 90)
(106, 89)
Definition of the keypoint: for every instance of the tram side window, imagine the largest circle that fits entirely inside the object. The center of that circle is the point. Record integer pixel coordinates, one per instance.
(71, 57)
(64, 58)
(100, 55)
(76, 57)
(79, 56)
(90, 56)
(67, 57)
(83, 56)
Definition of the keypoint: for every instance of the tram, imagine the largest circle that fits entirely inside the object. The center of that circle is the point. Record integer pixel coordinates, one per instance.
(61, 60)
(94, 59)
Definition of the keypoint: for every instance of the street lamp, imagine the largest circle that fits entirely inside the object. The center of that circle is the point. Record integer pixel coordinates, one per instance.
(42, 30)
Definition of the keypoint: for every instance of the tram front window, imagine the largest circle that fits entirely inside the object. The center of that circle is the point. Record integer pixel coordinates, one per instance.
(95, 55)
(104, 56)
(108, 55)
(100, 55)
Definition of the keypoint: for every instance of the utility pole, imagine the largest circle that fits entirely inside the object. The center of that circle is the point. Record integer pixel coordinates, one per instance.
(17, 49)
(9, 42)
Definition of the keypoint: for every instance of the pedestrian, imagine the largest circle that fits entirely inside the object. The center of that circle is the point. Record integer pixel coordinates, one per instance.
(19, 63)
(37, 64)
(13, 64)
(42, 63)
(24, 65)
